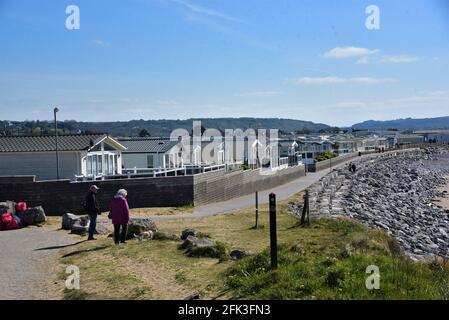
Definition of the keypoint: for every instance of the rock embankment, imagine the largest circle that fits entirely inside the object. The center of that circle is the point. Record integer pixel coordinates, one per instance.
(394, 192)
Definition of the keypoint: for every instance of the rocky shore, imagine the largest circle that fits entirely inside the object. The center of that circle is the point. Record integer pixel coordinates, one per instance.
(394, 192)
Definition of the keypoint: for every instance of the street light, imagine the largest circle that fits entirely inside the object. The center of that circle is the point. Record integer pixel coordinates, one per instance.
(55, 111)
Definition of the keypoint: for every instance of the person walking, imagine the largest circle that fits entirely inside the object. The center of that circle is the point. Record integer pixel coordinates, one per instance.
(354, 168)
(120, 216)
(93, 210)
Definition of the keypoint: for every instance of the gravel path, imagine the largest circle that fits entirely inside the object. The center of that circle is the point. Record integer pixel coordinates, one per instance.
(27, 259)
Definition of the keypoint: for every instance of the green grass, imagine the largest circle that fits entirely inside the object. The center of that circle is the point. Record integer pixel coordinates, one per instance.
(326, 156)
(326, 260)
(332, 272)
(219, 251)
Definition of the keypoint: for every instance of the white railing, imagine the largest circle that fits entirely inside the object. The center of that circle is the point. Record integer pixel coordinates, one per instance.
(283, 163)
(186, 170)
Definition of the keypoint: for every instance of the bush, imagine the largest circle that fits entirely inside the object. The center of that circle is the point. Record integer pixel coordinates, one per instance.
(326, 156)
(218, 250)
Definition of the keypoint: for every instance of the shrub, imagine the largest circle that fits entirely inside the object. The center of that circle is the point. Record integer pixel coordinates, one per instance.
(218, 250)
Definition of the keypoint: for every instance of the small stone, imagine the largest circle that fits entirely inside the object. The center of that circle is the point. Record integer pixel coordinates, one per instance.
(238, 254)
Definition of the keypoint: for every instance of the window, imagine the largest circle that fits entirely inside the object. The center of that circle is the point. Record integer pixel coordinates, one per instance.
(89, 165)
(150, 161)
(115, 164)
(167, 160)
(99, 164)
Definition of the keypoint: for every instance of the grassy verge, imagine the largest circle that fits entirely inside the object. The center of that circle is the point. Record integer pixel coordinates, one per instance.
(327, 260)
(148, 212)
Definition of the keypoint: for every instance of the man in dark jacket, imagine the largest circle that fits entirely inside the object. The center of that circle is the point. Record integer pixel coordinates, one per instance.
(93, 209)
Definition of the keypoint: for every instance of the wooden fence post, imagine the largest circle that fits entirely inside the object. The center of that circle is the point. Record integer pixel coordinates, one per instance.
(273, 235)
(305, 210)
(257, 210)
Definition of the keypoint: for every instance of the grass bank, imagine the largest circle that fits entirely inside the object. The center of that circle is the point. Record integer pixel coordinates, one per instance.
(326, 260)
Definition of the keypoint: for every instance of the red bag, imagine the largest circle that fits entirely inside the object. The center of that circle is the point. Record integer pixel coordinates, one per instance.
(21, 207)
(7, 222)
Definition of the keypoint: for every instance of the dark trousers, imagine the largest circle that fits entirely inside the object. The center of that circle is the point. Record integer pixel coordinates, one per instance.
(120, 236)
(92, 225)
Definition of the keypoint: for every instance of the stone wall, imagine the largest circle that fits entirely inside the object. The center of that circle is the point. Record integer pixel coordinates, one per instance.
(59, 197)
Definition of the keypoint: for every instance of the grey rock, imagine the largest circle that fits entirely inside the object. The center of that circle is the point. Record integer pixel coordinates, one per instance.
(391, 192)
(81, 226)
(139, 225)
(33, 216)
(198, 242)
(165, 236)
(68, 219)
(188, 232)
(102, 228)
(238, 254)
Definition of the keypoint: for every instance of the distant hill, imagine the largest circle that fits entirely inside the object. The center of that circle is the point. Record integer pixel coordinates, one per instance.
(403, 124)
(159, 127)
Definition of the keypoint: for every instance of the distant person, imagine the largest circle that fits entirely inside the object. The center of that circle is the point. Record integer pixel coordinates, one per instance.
(350, 167)
(93, 210)
(120, 216)
(354, 168)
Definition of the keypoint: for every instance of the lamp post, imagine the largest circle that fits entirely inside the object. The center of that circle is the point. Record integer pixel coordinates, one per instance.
(55, 111)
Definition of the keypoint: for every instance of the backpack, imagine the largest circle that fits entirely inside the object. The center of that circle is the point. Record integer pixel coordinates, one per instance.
(8, 222)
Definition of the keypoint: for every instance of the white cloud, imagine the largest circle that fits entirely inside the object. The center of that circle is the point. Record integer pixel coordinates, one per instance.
(130, 100)
(350, 105)
(399, 59)
(348, 52)
(168, 103)
(439, 93)
(259, 94)
(100, 43)
(363, 60)
(95, 101)
(338, 80)
(205, 11)
(428, 97)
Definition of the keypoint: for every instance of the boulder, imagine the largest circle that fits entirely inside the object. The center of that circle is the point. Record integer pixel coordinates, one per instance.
(139, 225)
(195, 296)
(192, 241)
(102, 228)
(205, 247)
(188, 232)
(81, 226)
(165, 236)
(33, 216)
(68, 219)
(238, 254)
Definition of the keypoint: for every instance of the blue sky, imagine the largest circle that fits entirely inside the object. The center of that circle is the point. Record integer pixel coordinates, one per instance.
(176, 59)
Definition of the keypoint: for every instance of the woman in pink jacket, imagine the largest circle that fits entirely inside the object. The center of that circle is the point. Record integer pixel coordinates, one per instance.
(120, 216)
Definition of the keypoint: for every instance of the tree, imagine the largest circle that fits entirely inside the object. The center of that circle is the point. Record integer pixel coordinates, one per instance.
(144, 133)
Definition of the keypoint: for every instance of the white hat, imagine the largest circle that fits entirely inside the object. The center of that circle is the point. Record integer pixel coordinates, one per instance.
(94, 187)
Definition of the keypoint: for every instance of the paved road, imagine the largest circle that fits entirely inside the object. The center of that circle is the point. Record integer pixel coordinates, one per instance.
(282, 192)
(27, 259)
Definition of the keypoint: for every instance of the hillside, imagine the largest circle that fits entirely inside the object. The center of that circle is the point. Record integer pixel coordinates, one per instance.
(160, 127)
(408, 123)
